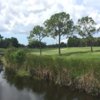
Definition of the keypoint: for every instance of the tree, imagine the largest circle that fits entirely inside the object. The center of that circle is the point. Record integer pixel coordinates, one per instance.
(59, 24)
(8, 42)
(38, 34)
(86, 27)
(14, 42)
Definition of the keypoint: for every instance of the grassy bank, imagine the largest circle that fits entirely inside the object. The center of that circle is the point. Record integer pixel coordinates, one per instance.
(78, 69)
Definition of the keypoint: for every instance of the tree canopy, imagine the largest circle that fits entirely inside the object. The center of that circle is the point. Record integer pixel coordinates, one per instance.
(86, 27)
(38, 34)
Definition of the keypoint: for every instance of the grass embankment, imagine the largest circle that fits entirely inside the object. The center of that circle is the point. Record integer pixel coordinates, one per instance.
(77, 67)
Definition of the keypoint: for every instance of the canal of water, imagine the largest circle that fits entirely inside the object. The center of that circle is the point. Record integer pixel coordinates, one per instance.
(28, 89)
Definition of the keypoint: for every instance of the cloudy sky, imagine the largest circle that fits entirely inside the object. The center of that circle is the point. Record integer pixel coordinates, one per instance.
(18, 17)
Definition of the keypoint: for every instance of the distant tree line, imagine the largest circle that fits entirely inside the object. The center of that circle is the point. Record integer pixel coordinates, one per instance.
(73, 41)
(57, 45)
(9, 42)
(36, 44)
(82, 42)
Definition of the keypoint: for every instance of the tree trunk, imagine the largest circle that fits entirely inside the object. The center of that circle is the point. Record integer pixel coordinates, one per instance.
(91, 43)
(91, 49)
(40, 49)
(59, 51)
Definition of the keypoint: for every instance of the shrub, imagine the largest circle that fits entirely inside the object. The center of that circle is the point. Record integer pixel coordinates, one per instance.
(14, 58)
(19, 56)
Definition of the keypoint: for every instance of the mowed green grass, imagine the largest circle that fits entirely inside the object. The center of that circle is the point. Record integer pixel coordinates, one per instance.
(73, 52)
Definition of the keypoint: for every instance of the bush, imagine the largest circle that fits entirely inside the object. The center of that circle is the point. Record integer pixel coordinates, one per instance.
(14, 58)
(19, 56)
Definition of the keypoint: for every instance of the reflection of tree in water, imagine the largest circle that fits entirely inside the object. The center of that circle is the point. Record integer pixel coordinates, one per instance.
(51, 91)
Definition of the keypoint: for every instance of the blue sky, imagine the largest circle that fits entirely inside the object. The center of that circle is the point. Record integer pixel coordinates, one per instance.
(18, 17)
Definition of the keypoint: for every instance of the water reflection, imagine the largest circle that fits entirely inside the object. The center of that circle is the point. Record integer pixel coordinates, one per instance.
(17, 88)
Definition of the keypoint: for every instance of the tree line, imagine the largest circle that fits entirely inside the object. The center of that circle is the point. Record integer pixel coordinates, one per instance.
(82, 42)
(61, 24)
(9, 42)
(73, 41)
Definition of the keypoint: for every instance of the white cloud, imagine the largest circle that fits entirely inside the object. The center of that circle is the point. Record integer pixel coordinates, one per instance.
(19, 16)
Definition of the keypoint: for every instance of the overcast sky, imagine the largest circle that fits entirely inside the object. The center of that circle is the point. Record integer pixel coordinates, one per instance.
(18, 17)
